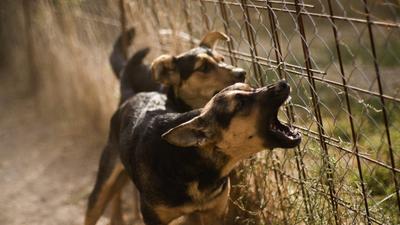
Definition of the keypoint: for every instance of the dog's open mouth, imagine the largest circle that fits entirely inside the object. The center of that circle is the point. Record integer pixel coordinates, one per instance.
(288, 136)
(284, 136)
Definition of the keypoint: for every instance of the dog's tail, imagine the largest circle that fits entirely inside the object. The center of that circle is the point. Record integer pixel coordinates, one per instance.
(136, 76)
(117, 57)
(138, 57)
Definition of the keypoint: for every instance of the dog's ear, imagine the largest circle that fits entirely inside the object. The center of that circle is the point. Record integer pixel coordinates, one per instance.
(191, 133)
(163, 70)
(210, 39)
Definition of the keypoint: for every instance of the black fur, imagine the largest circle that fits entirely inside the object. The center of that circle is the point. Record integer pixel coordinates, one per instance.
(222, 117)
(176, 104)
(136, 76)
(108, 160)
(117, 58)
(168, 168)
(186, 62)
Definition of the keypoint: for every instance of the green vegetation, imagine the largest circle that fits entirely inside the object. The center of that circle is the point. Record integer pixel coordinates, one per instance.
(369, 127)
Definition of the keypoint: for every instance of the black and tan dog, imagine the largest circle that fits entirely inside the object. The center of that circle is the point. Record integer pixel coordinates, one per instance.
(190, 80)
(180, 162)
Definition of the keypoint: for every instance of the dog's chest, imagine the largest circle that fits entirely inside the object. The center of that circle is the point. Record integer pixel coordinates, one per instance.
(201, 200)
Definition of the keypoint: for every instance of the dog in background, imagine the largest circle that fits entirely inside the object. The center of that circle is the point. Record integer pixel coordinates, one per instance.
(190, 80)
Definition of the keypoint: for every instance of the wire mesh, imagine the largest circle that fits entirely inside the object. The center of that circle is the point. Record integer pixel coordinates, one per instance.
(342, 60)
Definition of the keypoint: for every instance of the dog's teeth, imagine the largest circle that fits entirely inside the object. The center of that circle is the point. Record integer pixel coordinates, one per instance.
(288, 100)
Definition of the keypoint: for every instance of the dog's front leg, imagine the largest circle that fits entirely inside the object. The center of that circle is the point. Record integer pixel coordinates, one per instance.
(137, 218)
(213, 216)
(149, 216)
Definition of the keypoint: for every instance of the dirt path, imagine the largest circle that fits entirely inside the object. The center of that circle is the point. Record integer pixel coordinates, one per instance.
(47, 170)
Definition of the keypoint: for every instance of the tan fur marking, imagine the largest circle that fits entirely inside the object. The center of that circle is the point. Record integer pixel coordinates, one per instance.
(211, 38)
(116, 213)
(241, 139)
(218, 57)
(203, 58)
(111, 187)
(199, 88)
(215, 209)
(163, 70)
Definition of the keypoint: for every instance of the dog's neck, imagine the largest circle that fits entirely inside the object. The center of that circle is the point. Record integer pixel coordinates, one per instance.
(220, 161)
(223, 163)
(175, 103)
(205, 164)
(211, 192)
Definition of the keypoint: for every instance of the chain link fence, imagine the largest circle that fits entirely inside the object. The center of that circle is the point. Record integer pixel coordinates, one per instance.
(342, 59)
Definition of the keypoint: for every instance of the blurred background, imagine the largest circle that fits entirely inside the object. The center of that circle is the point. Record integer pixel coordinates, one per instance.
(342, 59)
(57, 93)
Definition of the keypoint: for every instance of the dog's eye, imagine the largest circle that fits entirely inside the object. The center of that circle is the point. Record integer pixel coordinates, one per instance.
(241, 101)
(239, 105)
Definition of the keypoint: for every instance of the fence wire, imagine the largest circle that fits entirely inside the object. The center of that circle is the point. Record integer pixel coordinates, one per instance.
(342, 60)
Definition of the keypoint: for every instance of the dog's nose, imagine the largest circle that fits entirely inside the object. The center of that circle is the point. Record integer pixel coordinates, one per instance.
(239, 74)
(282, 85)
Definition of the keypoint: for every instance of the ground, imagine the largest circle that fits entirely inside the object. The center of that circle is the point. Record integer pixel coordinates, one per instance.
(47, 169)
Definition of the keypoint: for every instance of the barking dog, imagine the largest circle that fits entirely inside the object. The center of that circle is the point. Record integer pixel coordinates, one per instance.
(191, 79)
(180, 162)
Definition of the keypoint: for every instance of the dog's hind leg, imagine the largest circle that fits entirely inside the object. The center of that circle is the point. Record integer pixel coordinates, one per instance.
(110, 180)
(136, 204)
(116, 214)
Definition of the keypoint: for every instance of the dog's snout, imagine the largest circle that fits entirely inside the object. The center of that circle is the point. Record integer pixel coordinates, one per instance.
(239, 74)
(282, 85)
(281, 88)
